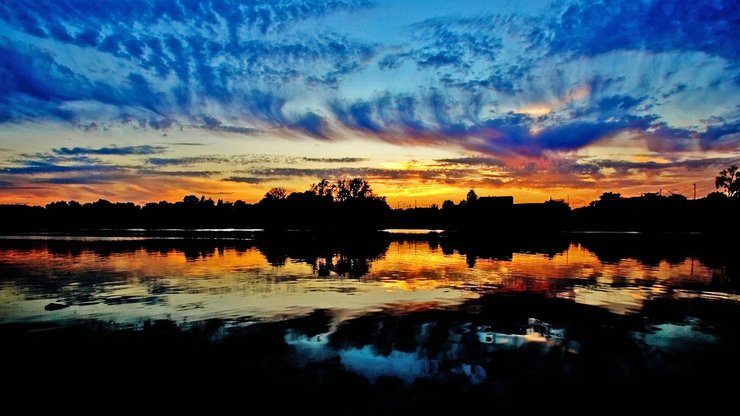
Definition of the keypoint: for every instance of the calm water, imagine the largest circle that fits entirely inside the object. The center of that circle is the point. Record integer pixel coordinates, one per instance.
(132, 279)
(486, 319)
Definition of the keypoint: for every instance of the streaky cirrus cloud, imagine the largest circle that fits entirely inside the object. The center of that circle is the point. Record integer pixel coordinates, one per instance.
(80, 180)
(246, 179)
(180, 173)
(335, 159)
(472, 161)
(567, 89)
(243, 68)
(40, 167)
(113, 150)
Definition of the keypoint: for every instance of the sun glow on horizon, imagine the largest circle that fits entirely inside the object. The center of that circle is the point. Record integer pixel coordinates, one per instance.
(533, 101)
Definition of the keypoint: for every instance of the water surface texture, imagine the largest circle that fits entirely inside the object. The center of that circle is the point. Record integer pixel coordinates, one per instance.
(131, 279)
(389, 319)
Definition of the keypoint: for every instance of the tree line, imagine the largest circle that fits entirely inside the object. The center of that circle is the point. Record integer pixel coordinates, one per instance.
(349, 205)
(346, 204)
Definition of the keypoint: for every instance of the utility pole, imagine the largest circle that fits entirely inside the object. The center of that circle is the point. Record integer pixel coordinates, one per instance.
(694, 192)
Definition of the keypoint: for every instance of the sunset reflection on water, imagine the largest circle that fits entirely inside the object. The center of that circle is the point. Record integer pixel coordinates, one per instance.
(128, 281)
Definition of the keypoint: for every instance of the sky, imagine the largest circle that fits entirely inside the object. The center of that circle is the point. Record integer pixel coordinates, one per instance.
(149, 100)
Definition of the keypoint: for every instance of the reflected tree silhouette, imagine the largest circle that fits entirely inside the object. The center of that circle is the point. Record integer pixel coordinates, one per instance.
(342, 265)
(330, 255)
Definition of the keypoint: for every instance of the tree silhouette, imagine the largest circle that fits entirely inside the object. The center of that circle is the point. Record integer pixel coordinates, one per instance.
(607, 199)
(729, 180)
(355, 188)
(323, 188)
(276, 194)
(350, 204)
(472, 196)
(557, 204)
(190, 200)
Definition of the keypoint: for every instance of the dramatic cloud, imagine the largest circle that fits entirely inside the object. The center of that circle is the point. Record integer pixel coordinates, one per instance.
(571, 89)
(242, 69)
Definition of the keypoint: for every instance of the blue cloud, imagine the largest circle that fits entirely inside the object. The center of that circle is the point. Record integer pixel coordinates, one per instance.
(576, 135)
(312, 124)
(247, 67)
(433, 121)
(592, 168)
(619, 102)
(79, 180)
(40, 167)
(594, 27)
(118, 151)
(185, 161)
(358, 115)
(729, 130)
(162, 123)
(29, 72)
(324, 58)
(262, 16)
(178, 173)
(221, 159)
(214, 124)
(457, 42)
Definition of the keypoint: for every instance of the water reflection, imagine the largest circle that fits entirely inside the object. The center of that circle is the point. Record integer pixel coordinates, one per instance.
(376, 321)
(268, 276)
(498, 350)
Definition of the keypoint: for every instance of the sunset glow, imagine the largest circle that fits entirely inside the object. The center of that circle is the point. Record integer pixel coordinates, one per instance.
(156, 100)
(227, 280)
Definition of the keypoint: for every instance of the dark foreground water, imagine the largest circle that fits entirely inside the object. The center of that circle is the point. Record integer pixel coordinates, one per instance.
(380, 321)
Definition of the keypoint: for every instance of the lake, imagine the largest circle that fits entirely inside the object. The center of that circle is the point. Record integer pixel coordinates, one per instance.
(495, 316)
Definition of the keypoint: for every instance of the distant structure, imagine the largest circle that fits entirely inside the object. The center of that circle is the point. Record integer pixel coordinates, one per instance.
(488, 212)
(496, 202)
